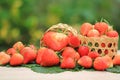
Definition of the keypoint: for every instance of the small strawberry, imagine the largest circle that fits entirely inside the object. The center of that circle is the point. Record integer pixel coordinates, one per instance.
(11, 51)
(83, 50)
(85, 61)
(74, 41)
(70, 52)
(48, 57)
(116, 59)
(85, 28)
(18, 46)
(93, 33)
(16, 59)
(100, 64)
(29, 54)
(67, 63)
(39, 54)
(102, 27)
(93, 54)
(112, 33)
(4, 58)
(108, 60)
(55, 40)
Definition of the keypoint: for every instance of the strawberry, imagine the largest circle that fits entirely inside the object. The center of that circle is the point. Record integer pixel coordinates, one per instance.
(100, 64)
(16, 59)
(70, 52)
(48, 57)
(55, 40)
(108, 60)
(93, 33)
(85, 28)
(83, 50)
(18, 46)
(102, 27)
(112, 33)
(29, 54)
(40, 52)
(116, 59)
(74, 41)
(93, 54)
(11, 51)
(85, 61)
(4, 58)
(67, 63)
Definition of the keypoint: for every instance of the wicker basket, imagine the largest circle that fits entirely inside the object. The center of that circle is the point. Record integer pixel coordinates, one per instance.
(103, 45)
(64, 28)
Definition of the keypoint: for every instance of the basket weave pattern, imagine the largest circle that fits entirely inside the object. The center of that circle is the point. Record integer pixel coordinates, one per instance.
(103, 45)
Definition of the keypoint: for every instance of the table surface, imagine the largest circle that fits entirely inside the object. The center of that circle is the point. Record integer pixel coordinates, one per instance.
(27, 74)
(14, 73)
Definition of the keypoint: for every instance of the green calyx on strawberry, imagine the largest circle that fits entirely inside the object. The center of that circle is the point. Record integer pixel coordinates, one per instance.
(55, 40)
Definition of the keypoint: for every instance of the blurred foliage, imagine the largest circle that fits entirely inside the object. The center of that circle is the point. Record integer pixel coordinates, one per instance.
(26, 20)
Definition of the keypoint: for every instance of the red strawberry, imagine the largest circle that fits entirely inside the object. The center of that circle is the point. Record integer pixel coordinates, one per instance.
(16, 59)
(70, 52)
(29, 54)
(85, 61)
(67, 63)
(4, 58)
(93, 33)
(74, 41)
(11, 51)
(102, 27)
(112, 34)
(108, 60)
(85, 28)
(93, 54)
(100, 64)
(55, 40)
(18, 46)
(116, 59)
(39, 55)
(83, 50)
(48, 57)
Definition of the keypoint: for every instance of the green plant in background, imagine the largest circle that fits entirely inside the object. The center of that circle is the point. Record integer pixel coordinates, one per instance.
(26, 20)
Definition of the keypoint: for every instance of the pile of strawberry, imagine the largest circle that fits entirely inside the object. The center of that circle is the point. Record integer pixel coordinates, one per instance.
(97, 30)
(64, 50)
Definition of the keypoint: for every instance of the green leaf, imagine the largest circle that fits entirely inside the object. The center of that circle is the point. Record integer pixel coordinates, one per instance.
(55, 69)
(115, 69)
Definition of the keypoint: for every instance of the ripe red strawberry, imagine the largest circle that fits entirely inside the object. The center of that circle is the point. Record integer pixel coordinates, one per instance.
(48, 58)
(70, 52)
(93, 54)
(4, 58)
(55, 40)
(18, 46)
(108, 60)
(39, 54)
(29, 54)
(116, 59)
(100, 64)
(93, 33)
(83, 50)
(74, 41)
(102, 27)
(85, 28)
(85, 61)
(112, 34)
(67, 63)
(16, 59)
(11, 51)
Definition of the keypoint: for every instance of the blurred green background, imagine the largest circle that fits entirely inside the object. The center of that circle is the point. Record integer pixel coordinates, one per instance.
(26, 20)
